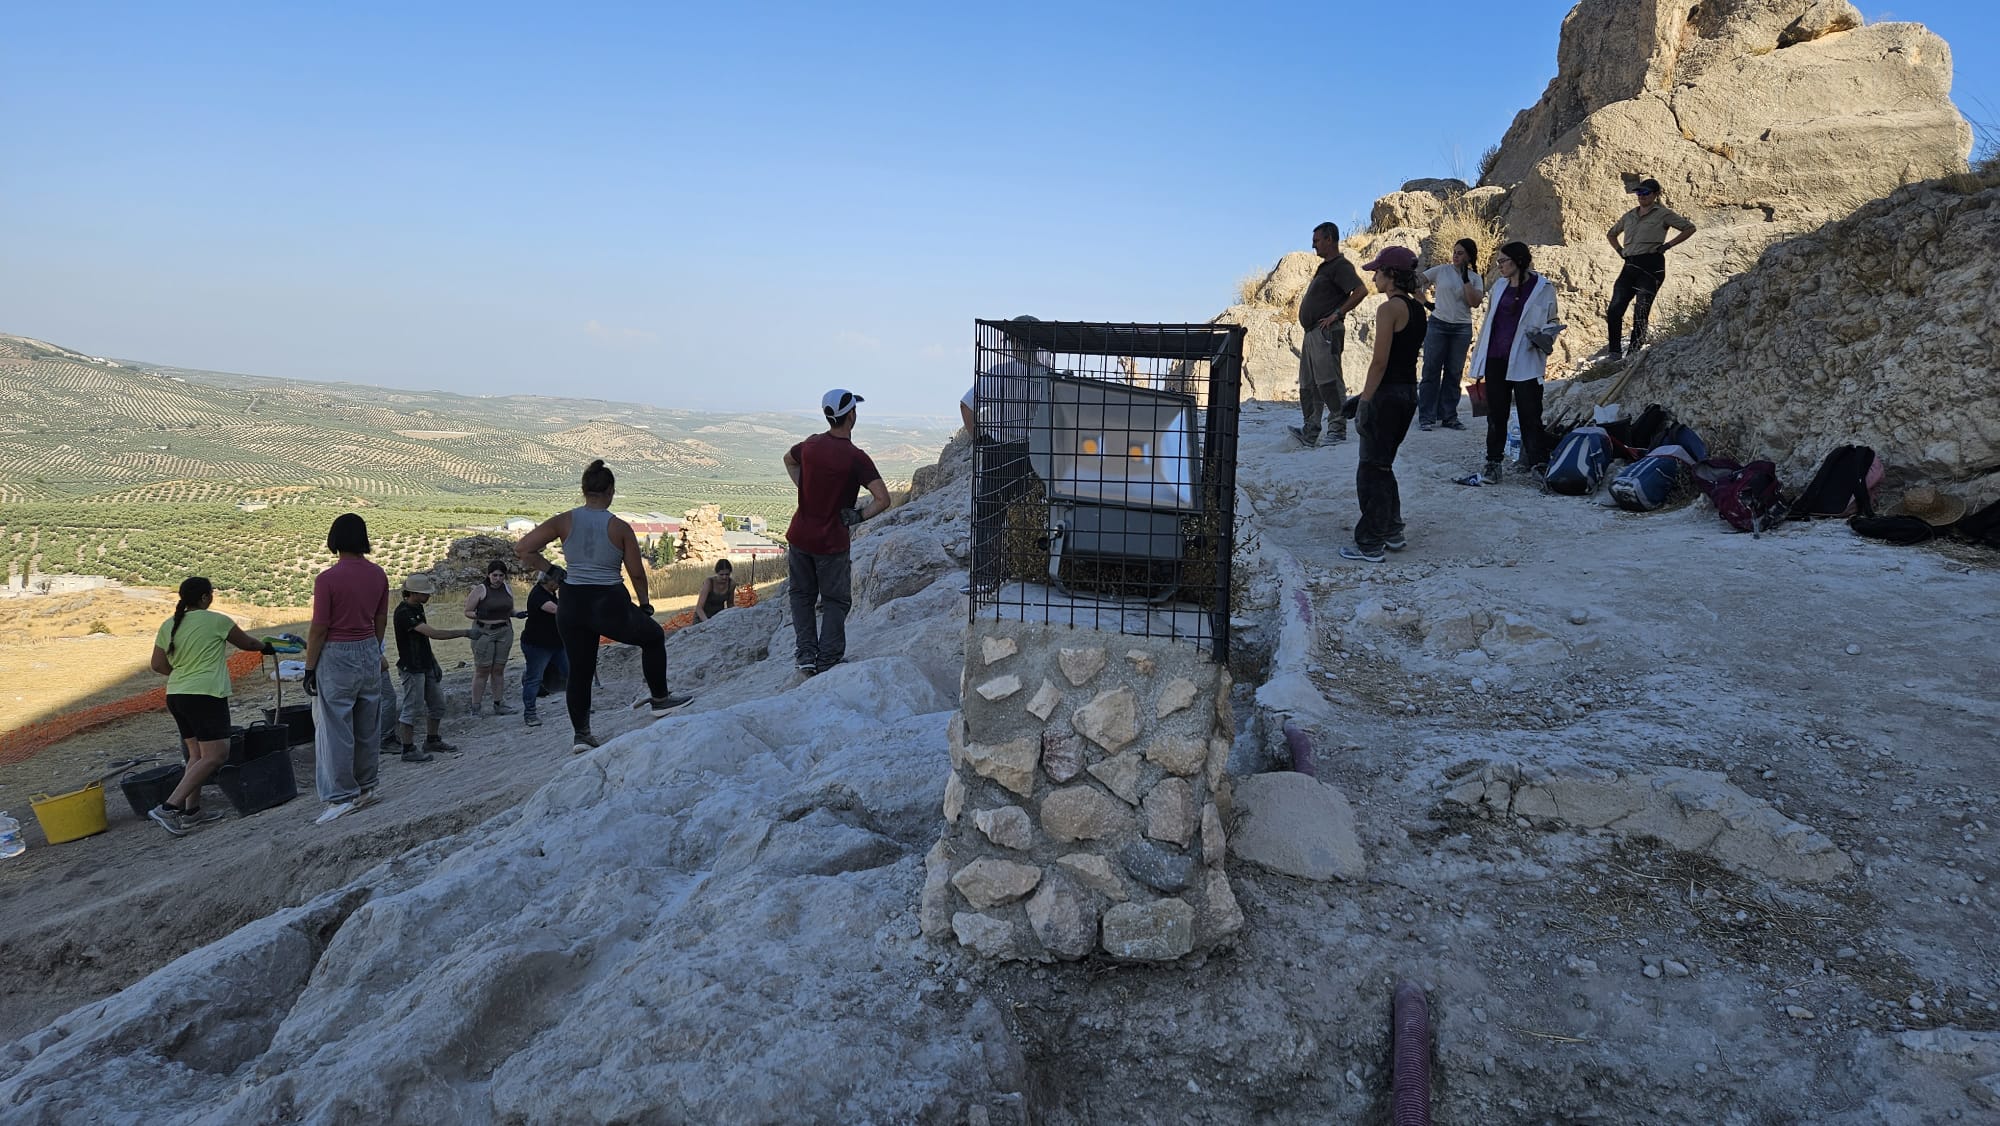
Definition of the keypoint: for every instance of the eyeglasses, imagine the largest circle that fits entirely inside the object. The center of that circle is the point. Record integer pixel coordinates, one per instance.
(1643, 193)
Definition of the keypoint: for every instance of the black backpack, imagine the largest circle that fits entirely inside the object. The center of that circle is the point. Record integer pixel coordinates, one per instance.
(1904, 530)
(1982, 527)
(1635, 437)
(1840, 486)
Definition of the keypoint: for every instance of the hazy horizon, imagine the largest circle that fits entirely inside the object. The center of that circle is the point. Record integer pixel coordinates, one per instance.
(691, 209)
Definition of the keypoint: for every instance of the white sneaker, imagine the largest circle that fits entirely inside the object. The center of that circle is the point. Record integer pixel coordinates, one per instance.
(337, 809)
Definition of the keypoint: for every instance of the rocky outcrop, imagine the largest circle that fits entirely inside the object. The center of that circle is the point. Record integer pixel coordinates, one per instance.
(1878, 329)
(1762, 119)
(701, 535)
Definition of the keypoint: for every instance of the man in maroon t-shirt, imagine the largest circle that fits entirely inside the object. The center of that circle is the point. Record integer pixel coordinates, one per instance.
(829, 470)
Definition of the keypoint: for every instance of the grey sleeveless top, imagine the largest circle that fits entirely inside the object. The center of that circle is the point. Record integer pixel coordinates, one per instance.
(592, 558)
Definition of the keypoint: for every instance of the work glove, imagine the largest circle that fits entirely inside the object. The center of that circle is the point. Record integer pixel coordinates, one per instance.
(268, 649)
(1351, 407)
(312, 682)
(850, 516)
(646, 608)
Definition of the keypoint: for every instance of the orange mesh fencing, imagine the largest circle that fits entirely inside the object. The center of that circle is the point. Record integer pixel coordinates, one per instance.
(23, 743)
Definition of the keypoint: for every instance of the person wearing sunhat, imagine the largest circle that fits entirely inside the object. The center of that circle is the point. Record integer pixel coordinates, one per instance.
(1388, 401)
(1640, 238)
(422, 677)
(830, 472)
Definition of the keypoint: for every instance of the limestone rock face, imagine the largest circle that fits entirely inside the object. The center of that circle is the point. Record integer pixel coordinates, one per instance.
(904, 562)
(1804, 352)
(1296, 825)
(1761, 118)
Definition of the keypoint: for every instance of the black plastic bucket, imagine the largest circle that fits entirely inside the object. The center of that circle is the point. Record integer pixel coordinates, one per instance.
(258, 784)
(297, 720)
(259, 739)
(145, 789)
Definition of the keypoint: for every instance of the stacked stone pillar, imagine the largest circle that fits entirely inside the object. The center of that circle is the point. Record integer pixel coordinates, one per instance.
(1085, 806)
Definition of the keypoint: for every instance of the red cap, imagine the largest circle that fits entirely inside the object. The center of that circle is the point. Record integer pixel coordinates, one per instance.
(1394, 258)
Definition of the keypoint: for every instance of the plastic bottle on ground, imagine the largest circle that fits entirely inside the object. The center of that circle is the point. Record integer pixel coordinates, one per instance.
(11, 842)
(1514, 441)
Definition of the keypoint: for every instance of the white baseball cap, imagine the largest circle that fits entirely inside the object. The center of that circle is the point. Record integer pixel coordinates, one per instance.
(838, 402)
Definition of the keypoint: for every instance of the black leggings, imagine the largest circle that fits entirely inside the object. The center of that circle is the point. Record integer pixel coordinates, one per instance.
(1639, 281)
(586, 613)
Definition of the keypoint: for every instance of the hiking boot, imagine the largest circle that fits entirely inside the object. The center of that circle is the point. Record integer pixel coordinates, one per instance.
(808, 668)
(1332, 436)
(1304, 439)
(1361, 554)
(1395, 543)
(203, 816)
(1426, 425)
(412, 754)
(502, 709)
(366, 799)
(172, 820)
(1491, 474)
(662, 705)
(1452, 423)
(825, 665)
(434, 743)
(583, 741)
(531, 719)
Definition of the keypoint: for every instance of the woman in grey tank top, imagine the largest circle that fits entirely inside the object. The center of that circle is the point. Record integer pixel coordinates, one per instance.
(594, 603)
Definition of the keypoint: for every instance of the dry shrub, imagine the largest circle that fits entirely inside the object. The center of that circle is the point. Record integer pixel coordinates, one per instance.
(1487, 160)
(1461, 220)
(1249, 290)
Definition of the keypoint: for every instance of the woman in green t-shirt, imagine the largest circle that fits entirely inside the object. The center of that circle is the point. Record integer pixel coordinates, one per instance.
(192, 652)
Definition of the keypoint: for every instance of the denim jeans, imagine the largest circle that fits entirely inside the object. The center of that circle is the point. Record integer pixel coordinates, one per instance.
(1381, 424)
(1321, 386)
(347, 718)
(823, 581)
(1445, 345)
(552, 662)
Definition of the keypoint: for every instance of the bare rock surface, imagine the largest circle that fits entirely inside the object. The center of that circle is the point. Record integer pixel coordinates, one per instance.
(1296, 826)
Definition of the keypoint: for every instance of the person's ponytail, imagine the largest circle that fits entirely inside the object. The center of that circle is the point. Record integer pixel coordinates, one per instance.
(1471, 249)
(193, 590)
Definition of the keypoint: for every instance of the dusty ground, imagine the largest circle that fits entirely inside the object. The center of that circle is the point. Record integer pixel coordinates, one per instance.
(1576, 976)
(86, 918)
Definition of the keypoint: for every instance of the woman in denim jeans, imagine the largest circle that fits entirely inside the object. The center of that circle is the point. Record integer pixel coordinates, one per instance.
(344, 665)
(1458, 289)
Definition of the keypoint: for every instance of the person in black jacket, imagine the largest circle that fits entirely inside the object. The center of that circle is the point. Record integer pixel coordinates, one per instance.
(541, 646)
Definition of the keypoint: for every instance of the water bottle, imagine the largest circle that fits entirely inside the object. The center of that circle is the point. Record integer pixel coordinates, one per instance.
(1514, 441)
(11, 843)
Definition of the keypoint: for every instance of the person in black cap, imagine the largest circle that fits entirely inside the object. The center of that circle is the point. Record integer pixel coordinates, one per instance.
(829, 471)
(1388, 401)
(1640, 236)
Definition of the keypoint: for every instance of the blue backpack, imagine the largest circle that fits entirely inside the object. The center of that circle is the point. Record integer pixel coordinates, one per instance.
(1580, 462)
(1653, 480)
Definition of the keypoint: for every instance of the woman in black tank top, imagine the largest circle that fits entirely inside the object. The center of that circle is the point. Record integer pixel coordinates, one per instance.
(1388, 401)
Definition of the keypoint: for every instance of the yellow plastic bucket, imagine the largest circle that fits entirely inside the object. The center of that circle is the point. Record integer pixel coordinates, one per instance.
(71, 816)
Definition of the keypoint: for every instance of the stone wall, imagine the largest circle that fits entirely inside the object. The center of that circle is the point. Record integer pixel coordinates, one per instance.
(1085, 808)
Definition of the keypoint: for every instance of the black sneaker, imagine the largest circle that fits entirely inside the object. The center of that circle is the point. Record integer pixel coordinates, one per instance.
(1452, 423)
(584, 741)
(1361, 554)
(825, 665)
(1426, 425)
(1332, 436)
(1395, 543)
(440, 745)
(808, 668)
(172, 820)
(1299, 432)
(531, 719)
(412, 754)
(206, 815)
(662, 705)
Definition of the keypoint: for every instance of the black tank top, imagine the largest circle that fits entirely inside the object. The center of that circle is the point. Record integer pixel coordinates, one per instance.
(1405, 346)
(715, 602)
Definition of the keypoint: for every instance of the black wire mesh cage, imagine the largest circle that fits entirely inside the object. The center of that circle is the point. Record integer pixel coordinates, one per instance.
(1104, 476)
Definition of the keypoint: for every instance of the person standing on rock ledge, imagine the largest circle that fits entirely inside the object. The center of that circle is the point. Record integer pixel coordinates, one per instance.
(829, 471)
(594, 601)
(1388, 402)
(1644, 248)
(1334, 292)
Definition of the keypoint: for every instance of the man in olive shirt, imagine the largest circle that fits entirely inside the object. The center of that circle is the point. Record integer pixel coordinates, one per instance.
(1334, 292)
(1644, 230)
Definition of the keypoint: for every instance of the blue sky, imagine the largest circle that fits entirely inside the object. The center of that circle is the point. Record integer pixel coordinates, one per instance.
(726, 207)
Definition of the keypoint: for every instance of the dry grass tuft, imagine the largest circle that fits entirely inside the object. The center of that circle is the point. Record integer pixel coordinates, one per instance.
(1461, 220)
(1487, 160)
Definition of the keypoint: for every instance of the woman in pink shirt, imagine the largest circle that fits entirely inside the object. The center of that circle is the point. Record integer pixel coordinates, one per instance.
(344, 668)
